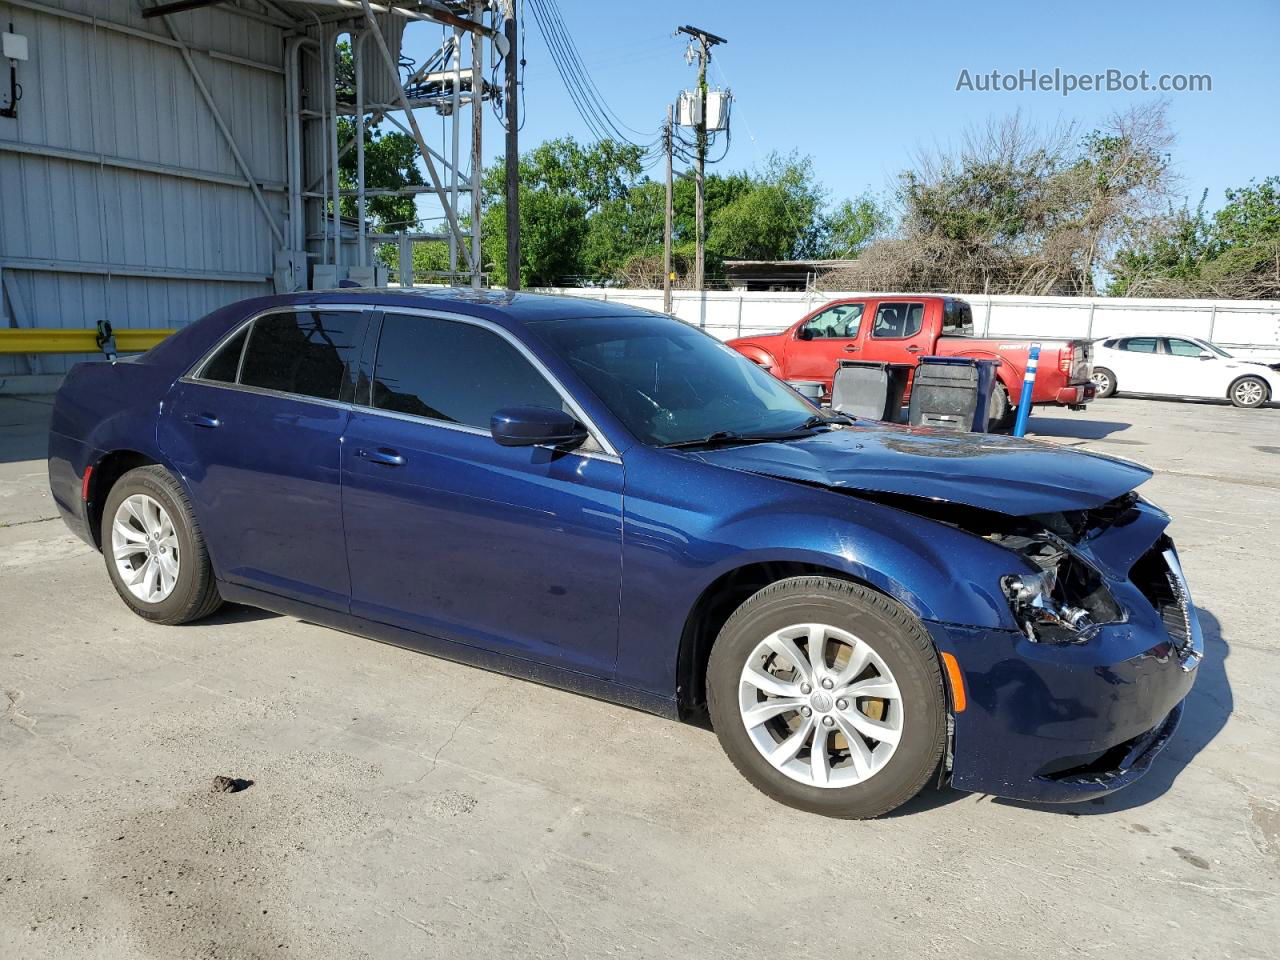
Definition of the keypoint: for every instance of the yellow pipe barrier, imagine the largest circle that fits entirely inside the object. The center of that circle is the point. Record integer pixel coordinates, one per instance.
(36, 340)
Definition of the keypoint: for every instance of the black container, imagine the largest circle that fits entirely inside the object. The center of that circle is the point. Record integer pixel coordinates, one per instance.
(870, 390)
(952, 393)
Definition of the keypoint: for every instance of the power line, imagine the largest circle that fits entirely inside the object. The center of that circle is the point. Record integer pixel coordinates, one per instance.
(601, 119)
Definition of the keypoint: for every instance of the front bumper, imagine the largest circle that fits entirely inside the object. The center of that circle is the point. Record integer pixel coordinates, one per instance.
(1061, 723)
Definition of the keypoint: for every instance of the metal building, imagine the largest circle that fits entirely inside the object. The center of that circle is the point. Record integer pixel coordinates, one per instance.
(160, 158)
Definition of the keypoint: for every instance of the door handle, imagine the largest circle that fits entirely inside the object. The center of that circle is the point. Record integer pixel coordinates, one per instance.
(382, 455)
(202, 420)
(913, 349)
(851, 348)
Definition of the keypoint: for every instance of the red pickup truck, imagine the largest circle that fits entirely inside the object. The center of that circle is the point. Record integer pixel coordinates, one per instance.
(900, 329)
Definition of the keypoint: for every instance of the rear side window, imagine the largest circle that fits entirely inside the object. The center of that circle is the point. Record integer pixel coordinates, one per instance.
(957, 317)
(898, 320)
(452, 371)
(312, 353)
(225, 364)
(1139, 345)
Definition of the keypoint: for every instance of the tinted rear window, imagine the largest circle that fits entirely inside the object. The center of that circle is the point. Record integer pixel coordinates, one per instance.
(957, 317)
(312, 353)
(452, 371)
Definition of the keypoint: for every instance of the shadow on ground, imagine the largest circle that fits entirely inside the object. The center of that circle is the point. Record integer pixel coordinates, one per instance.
(1077, 427)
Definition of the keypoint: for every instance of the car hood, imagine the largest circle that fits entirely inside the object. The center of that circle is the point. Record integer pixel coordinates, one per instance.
(1003, 474)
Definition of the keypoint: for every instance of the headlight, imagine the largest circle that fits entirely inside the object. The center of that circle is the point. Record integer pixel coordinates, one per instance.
(1060, 604)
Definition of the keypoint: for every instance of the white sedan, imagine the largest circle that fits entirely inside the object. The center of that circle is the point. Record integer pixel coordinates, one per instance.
(1160, 365)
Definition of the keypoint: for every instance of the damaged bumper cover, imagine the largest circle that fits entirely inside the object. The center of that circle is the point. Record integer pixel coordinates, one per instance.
(1060, 722)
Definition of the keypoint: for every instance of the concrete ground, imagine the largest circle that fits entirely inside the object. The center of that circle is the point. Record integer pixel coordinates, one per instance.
(404, 806)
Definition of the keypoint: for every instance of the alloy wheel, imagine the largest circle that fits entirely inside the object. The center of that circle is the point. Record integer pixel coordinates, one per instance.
(144, 544)
(1248, 393)
(1101, 381)
(820, 705)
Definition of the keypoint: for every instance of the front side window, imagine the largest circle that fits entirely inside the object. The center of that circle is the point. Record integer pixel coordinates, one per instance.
(839, 322)
(897, 321)
(453, 371)
(1140, 345)
(1189, 348)
(671, 383)
(311, 353)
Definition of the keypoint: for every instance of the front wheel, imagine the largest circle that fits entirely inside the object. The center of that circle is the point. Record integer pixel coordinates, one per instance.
(1249, 392)
(155, 554)
(828, 697)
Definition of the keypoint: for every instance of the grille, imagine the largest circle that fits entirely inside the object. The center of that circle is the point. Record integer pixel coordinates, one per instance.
(1163, 588)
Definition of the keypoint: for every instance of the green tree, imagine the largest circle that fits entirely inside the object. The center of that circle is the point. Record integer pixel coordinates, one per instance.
(1236, 253)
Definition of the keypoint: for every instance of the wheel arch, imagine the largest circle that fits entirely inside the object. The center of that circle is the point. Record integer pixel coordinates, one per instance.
(1266, 384)
(107, 471)
(717, 602)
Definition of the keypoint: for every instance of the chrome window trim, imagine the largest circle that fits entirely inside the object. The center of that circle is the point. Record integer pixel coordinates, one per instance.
(596, 433)
(606, 453)
(196, 371)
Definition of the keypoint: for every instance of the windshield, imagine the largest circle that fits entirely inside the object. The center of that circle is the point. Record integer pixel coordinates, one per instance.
(669, 382)
(1215, 348)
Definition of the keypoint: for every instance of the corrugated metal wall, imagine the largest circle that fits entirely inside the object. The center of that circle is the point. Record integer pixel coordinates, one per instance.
(84, 234)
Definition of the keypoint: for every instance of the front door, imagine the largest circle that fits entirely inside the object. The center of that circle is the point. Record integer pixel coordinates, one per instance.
(256, 434)
(822, 341)
(511, 549)
(1191, 373)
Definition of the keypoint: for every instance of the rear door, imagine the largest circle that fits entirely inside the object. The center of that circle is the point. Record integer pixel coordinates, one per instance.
(1142, 368)
(832, 336)
(256, 434)
(516, 550)
(898, 332)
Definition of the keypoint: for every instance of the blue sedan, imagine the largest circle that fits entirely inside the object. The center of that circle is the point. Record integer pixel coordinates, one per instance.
(610, 501)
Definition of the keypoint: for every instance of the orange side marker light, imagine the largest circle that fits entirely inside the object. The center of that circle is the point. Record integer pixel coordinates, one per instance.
(958, 698)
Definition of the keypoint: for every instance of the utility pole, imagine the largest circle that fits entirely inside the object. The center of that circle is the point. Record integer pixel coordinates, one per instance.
(477, 128)
(513, 153)
(705, 42)
(666, 232)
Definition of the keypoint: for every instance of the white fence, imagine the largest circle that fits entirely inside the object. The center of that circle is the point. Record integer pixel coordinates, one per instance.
(1248, 325)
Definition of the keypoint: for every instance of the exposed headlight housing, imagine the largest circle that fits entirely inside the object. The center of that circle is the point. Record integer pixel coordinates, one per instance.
(1063, 602)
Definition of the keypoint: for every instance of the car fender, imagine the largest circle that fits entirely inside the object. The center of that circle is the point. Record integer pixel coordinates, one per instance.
(938, 572)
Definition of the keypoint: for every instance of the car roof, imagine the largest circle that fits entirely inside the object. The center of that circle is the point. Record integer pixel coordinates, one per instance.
(493, 304)
(1158, 336)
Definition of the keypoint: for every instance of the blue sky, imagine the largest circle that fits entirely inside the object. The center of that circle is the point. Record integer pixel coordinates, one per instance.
(861, 86)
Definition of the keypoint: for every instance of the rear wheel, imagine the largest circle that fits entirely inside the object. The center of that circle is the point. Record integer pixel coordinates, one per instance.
(827, 696)
(1000, 411)
(1105, 382)
(1249, 392)
(154, 552)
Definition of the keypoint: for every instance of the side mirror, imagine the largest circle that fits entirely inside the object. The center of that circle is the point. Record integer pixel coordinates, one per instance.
(1206, 355)
(804, 333)
(531, 426)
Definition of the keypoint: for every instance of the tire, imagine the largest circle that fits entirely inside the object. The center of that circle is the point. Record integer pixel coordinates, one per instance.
(144, 538)
(901, 656)
(1249, 392)
(1000, 412)
(1105, 381)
